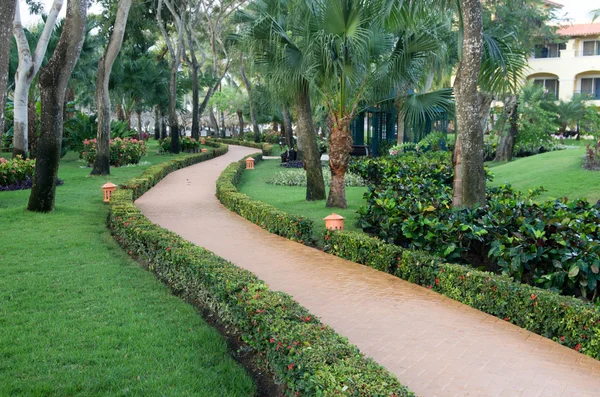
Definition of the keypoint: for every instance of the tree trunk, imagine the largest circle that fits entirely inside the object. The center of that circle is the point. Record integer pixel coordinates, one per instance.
(32, 127)
(139, 123)
(7, 11)
(315, 187)
(195, 100)
(173, 120)
(29, 65)
(241, 119)
(508, 137)
(340, 146)
(105, 64)
(469, 175)
(120, 112)
(156, 123)
(287, 122)
(213, 122)
(401, 127)
(223, 129)
(255, 128)
(163, 125)
(54, 79)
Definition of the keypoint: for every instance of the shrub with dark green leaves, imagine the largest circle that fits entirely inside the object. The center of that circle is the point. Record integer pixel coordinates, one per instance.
(305, 356)
(264, 215)
(554, 244)
(566, 320)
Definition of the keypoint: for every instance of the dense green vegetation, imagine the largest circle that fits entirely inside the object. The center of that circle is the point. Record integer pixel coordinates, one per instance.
(291, 199)
(79, 317)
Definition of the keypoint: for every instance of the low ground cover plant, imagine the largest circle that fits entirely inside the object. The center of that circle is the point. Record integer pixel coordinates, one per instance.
(297, 177)
(553, 244)
(122, 151)
(591, 160)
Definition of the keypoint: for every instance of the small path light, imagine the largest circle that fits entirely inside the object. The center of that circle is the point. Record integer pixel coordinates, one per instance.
(204, 150)
(334, 222)
(249, 163)
(108, 188)
(203, 141)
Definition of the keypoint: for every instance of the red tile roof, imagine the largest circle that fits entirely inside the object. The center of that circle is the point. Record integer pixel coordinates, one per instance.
(584, 29)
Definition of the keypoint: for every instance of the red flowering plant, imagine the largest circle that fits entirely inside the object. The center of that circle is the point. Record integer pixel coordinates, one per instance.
(122, 151)
(16, 171)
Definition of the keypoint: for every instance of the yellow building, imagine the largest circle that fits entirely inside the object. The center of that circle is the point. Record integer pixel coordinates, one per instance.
(572, 67)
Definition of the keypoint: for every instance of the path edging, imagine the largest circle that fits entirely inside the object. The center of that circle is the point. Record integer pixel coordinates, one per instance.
(566, 320)
(306, 356)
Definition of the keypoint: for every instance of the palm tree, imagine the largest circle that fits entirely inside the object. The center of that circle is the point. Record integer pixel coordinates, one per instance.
(264, 32)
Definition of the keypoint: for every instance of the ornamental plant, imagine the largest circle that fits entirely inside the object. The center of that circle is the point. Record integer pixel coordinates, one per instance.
(122, 151)
(15, 172)
(553, 244)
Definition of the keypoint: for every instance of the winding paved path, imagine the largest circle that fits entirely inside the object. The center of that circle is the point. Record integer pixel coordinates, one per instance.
(436, 346)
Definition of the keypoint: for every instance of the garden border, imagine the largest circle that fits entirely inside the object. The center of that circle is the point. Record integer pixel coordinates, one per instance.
(304, 355)
(267, 148)
(564, 319)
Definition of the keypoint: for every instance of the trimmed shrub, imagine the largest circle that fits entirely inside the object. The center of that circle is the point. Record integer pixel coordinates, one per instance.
(297, 177)
(122, 151)
(264, 215)
(266, 148)
(15, 172)
(565, 320)
(305, 356)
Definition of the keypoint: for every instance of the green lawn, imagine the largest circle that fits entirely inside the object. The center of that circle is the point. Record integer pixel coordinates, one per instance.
(79, 317)
(559, 172)
(291, 199)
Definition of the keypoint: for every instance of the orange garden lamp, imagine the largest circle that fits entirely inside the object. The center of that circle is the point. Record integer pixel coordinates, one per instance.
(204, 150)
(203, 141)
(249, 163)
(334, 222)
(108, 188)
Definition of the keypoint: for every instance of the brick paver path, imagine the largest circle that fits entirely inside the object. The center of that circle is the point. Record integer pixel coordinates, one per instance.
(436, 346)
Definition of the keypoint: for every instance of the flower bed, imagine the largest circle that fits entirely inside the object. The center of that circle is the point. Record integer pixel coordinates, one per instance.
(305, 356)
(265, 215)
(266, 148)
(122, 151)
(565, 320)
(187, 144)
(15, 173)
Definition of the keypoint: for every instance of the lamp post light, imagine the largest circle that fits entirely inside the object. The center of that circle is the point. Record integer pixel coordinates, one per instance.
(107, 189)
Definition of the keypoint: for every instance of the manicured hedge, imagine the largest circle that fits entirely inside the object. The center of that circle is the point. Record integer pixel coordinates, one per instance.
(305, 356)
(566, 320)
(266, 148)
(266, 216)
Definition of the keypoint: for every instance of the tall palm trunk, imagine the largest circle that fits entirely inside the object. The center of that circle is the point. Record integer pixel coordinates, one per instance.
(163, 125)
(287, 122)
(54, 78)
(32, 127)
(173, 120)
(156, 123)
(340, 146)
(105, 64)
(255, 128)
(213, 122)
(315, 186)
(7, 11)
(469, 175)
(240, 115)
(508, 137)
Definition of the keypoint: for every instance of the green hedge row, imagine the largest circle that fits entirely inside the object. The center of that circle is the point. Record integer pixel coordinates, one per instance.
(266, 148)
(566, 320)
(266, 216)
(305, 356)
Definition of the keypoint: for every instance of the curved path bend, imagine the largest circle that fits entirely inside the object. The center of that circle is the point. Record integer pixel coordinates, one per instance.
(436, 346)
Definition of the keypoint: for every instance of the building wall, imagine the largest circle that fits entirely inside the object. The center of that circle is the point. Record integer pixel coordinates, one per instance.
(569, 68)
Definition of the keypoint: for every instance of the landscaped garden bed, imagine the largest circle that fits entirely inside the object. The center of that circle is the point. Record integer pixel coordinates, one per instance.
(567, 320)
(305, 356)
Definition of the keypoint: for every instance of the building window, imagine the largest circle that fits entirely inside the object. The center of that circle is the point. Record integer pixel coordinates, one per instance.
(591, 48)
(549, 51)
(550, 85)
(591, 87)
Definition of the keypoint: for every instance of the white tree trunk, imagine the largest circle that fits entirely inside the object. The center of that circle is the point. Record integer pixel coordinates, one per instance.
(29, 65)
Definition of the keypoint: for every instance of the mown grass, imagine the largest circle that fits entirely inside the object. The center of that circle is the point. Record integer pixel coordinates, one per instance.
(560, 173)
(81, 318)
(292, 199)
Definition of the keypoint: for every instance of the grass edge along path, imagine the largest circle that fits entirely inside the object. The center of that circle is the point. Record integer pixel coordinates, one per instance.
(79, 317)
(306, 357)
